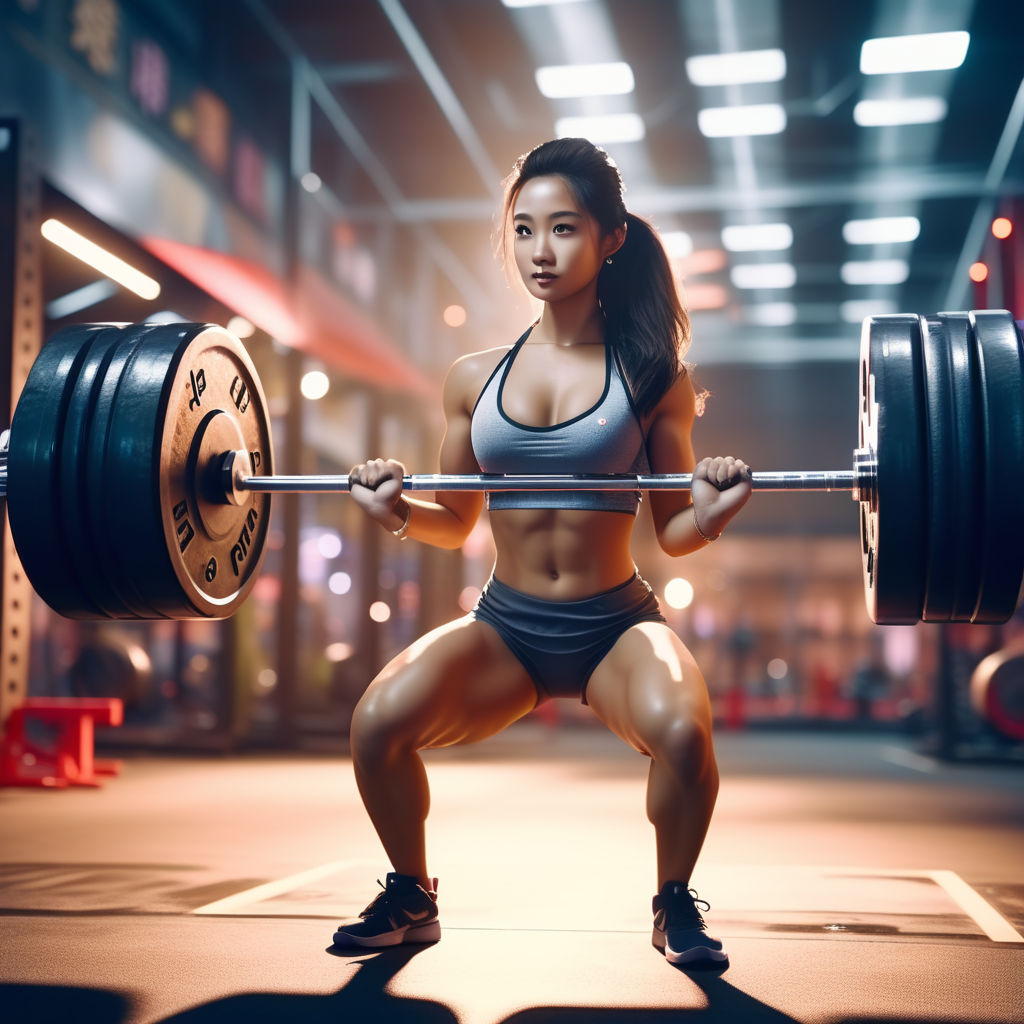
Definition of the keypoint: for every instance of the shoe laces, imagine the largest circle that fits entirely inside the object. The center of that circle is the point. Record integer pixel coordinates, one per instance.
(683, 906)
(379, 902)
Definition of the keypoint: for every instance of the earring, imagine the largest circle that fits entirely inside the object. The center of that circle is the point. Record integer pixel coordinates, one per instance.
(609, 261)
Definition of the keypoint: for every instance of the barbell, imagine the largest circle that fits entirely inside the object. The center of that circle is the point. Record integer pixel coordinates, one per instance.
(138, 470)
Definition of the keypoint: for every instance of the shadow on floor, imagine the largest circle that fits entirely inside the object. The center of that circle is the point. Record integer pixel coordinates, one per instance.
(57, 1002)
(364, 999)
(725, 1004)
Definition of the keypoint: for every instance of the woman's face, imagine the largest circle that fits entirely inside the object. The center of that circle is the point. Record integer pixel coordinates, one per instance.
(558, 245)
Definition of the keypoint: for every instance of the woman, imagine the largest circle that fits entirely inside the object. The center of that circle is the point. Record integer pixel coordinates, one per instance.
(596, 385)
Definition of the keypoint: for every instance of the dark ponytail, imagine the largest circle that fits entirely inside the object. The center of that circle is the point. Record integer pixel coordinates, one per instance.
(645, 321)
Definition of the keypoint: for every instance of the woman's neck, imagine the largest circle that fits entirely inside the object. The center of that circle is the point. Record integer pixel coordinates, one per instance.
(576, 320)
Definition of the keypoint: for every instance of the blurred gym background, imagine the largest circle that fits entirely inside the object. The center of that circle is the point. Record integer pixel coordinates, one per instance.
(322, 178)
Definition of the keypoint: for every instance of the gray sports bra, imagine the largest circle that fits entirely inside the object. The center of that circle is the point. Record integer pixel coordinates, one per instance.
(607, 438)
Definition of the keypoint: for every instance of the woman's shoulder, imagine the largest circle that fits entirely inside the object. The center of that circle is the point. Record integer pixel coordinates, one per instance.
(680, 398)
(469, 374)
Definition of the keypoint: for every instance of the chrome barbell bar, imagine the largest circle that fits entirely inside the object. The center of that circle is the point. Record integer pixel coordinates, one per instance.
(831, 480)
(838, 480)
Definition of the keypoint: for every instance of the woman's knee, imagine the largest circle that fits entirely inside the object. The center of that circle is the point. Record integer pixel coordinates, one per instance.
(381, 727)
(684, 746)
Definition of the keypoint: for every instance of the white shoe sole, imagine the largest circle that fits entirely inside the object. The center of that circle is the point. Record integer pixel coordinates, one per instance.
(422, 933)
(696, 954)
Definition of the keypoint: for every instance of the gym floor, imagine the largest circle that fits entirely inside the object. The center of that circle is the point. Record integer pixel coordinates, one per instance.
(852, 878)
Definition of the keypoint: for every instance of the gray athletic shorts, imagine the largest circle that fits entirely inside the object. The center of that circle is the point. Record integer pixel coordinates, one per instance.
(560, 643)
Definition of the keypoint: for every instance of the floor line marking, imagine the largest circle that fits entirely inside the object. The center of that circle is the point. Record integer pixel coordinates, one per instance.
(268, 890)
(975, 906)
(908, 759)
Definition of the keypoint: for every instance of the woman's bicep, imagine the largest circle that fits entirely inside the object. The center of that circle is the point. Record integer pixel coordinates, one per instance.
(670, 447)
(456, 455)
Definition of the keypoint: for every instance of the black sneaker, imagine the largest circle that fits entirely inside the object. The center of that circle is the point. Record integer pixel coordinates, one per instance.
(679, 930)
(403, 912)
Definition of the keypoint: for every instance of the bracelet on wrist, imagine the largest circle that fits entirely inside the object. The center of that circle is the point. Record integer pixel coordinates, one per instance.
(401, 532)
(700, 533)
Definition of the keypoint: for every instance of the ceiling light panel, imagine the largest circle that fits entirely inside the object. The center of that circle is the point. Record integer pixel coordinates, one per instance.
(570, 80)
(737, 68)
(880, 230)
(726, 122)
(757, 237)
(605, 128)
(916, 110)
(931, 51)
(100, 259)
(763, 275)
(772, 314)
(874, 271)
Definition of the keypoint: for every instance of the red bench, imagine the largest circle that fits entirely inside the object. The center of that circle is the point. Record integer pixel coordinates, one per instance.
(66, 758)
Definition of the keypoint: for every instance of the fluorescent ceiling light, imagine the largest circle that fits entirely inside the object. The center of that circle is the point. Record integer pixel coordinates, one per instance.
(757, 237)
(99, 259)
(879, 230)
(737, 68)
(763, 275)
(931, 51)
(874, 271)
(917, 110)
(678, 244)
(856, 311)
(759, 119)
(772, 314)
(568, 80)
(606, 128)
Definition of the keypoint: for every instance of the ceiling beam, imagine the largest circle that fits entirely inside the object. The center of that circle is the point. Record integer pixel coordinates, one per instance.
(443, 93)
(347, 131)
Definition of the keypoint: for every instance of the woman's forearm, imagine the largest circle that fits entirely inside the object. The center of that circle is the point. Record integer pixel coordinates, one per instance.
(428, 522)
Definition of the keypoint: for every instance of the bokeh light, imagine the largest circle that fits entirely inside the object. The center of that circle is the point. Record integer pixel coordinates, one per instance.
(338, 652)
(1002, 227)
(454, 315)
(679, 593)
(240, 327)
(329, 545)
(314, 385)
(339, 583)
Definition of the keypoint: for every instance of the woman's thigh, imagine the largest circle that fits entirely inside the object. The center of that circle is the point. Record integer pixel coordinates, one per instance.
(649, 685)
(457, 684)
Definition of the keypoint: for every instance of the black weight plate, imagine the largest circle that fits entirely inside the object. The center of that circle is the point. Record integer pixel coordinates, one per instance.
(78, 487)
(892, 425)
(34, 499)
(999, 343)
(121, 575)
(953, 436)
(132, 531)
(970, 454)
(190, 556)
